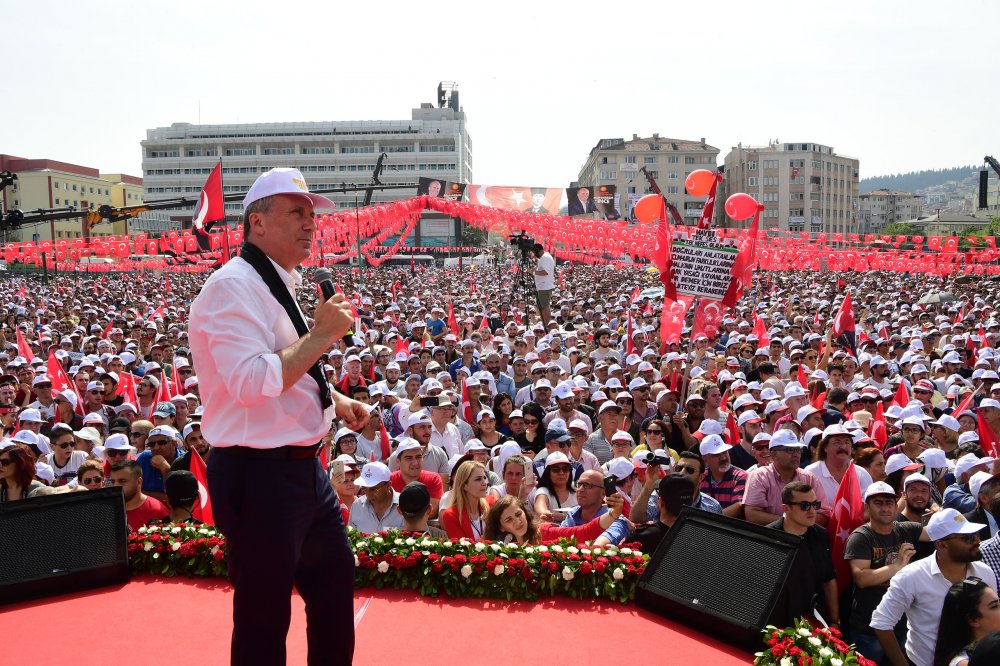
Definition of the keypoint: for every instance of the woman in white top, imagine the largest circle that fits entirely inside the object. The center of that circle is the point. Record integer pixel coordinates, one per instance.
(556, 492)
(518, 478)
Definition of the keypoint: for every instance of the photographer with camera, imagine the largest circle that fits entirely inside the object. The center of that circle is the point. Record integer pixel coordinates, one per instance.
(545, 281)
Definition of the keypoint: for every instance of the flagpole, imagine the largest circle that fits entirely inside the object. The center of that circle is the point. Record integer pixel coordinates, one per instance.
(690, 350)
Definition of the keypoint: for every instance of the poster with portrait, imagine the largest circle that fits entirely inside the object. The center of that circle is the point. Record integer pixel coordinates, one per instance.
(581, 200)
(606, 201)
(432, 187)
(540, 200)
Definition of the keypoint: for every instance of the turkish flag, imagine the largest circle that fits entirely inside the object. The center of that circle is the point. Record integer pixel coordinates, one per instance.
(23, 349)
(707, 318)
(987, 440)
(732, 431)
(877, 427)
(452, 320)
(126, 387)
(467, 405)
(61, 382)
(629, 345)
(902, 397)
(163, 394)
(211, 205)
(202, 509)
(672, 320)
(844, 326)
(705, 221)
(847, 514)
(802, 378)
(760, 330)
(383, 440)
(964, 405)
(742, 270)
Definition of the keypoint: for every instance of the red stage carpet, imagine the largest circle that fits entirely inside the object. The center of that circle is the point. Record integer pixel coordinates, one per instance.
(164, 621)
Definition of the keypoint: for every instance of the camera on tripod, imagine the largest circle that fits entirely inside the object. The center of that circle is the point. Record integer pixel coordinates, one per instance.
(522, 242)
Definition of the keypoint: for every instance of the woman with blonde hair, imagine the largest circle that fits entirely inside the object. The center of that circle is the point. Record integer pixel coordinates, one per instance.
(470, 502)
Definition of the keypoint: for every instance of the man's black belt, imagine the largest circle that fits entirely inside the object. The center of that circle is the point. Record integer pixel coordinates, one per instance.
(278, 453)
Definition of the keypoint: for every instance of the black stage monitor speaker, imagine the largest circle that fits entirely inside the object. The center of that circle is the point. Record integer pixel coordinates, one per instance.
(722, 576)
(984, 184)
(62, 542)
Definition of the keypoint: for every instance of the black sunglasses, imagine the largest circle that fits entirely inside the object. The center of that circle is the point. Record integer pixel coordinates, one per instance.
(114, 453)
(805, 506)
(686, 468)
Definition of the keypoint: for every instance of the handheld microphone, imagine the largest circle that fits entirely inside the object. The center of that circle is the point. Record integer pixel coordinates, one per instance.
(324, 278)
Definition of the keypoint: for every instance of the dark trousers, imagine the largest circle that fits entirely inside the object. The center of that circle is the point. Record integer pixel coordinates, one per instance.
(284, 528)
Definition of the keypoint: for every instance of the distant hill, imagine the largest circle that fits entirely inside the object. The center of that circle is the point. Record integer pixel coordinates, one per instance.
(917, 180)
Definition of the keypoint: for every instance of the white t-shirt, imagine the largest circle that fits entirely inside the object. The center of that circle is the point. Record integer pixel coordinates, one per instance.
(65, 474)
(548, 264)
(570, 502)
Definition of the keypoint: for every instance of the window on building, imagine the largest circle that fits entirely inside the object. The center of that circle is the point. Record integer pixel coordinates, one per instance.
(689, 160)
(240, 152)
(673, 175)
(649, 160)
(671, 189)
(433, 148)
(752, 181)
(353, 150)
(279, 151)
(630, 189)
(318, 150)
(57, 201)
(673, 159)
(630, 159)
(609, 175)
(752, 165)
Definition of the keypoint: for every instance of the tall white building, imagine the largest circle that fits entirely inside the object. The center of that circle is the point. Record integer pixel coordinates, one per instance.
(804, 186)
(434, 142)
(669, 161)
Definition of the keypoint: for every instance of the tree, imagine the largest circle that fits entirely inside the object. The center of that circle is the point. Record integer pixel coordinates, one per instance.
(473, 236)
(901, 228)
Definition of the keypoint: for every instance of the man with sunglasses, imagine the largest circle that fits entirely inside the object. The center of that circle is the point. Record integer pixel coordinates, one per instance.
(918, 590)
(762, 499)
(117, 447)
(815, 578)
(65, 461)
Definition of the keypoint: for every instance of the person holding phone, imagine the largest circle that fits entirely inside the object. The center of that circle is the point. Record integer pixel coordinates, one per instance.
(591, 491)
(510, 521)
(518, 479)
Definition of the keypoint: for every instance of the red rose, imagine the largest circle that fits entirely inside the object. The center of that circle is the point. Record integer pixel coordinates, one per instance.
(586, 568)
(437, 567)
(778, 651)
(220, 555)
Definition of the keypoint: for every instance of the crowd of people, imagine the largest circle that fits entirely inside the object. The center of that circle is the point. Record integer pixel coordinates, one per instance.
(528, 423)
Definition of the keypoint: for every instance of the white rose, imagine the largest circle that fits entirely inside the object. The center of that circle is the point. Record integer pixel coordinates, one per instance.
(585, 551)
(597, 551)
(426, 543)
(815, 642)
(466, 571)
(447, 544)
(398, 542)
(498, 570)
(480, 546)
(362, 545)
(573, 549)
(175, 530)
(557, 549)
(804, 632)
(214, 550)
(175, 546)
(543, 549)
(626, 551)
(836, 662)
(378, 539)
(825, 652)
(383, 567)
(464, 542)
(425, 553)
(356, 561)
(496, 547)
(411, 541)
(156, 556)
(617, 574)
(203, 531)
(528, 550)
(142, 530)
(786, 661)
(147, 546)
(567, 573)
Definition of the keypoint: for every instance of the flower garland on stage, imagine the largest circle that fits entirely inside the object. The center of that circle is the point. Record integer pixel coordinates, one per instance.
(801, 645)
(400, 560)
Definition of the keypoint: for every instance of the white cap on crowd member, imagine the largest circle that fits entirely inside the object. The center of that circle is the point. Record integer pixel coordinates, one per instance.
(968, 462)
(785, 437)
(88, 434)
(126, 407)
(913, 421)
(344, 432)
(970, 436)
(948, 422)
(348, 460)
(607, 406)
(774, 406)
(712, 445)
(163, 431)
(562, 391)
(621, 468)
(474, 445)
(879, 488)
(190, 428)
(916, 477)
(989, 402)
(32, 415)
(948, 522)
(793, 390)
(556, 458)
(25, 437)
(283, 180)
(805, 412)
(744, 400)
(372, 474)
(748, 416)
(899, 461)
(933, 459)
(407, 444)
(976, 483)
(417, 418)
(637, 383)
(118, 442)
(710, 427)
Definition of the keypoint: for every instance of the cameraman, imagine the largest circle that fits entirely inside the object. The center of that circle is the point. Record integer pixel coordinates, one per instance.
(545, 281)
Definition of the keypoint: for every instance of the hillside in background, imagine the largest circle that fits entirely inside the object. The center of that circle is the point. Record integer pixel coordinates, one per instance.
(917, 180)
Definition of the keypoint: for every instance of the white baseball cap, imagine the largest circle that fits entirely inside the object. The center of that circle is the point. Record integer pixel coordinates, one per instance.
(713, 444)
(283, 180)
(947, 522)
(784, 437)
(620, 468)
(372, 474)
(880, 488)
(916, 477)
(898, 461)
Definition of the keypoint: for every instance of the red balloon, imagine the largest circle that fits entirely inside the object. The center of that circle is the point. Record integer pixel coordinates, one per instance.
(741, 206)
(699, 182)
(647, 209)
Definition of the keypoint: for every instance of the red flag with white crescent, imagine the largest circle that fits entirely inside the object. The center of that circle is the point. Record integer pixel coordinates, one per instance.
(23, 348)
(760, 330)
(672, 320)
(202, 509)
(844, 325)
(847, 514)
(211, 206)
(452, 319)
(705, 221)
(707, 318)
(987, 440)
(467, 404)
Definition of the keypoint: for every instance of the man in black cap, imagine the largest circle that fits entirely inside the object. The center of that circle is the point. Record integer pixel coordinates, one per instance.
(182, 492)
(674, 492)
(415, 508)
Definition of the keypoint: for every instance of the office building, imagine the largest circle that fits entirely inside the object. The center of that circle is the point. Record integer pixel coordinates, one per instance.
(433, 142)
(804, 186)
(668, 161)
(48, 184)
(878, 208)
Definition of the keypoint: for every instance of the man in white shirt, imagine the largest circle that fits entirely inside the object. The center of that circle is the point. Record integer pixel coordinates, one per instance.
(444, 433)
(919, 589)
(377, 510)
(545, 281)
(267, 407)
